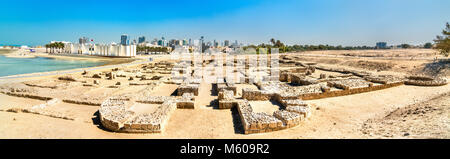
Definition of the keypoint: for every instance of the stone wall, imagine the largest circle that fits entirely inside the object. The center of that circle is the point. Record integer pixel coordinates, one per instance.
(344, 71)
(251, 94)
(420, 80)
(226, 99)
(226, 86)
(151, 123)
(188, 88)
(290, 119)
(256, 122)
(383, 79)
(336, 93)
(349, 84)
(315, 91)
(261, 122)
(302, 80)
(186, 102)
(153, 99)
(116, 116)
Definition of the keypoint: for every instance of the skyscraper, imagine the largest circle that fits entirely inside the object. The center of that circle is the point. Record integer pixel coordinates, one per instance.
(226, 43)
(141, 39)
(124, 39)
(83, 40)
(155, 41)
(216, 43)
(202, 44)
(163, 43)
(381, 45)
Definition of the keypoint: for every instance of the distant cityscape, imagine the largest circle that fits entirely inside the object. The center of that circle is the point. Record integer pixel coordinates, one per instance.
(162, 42)
(225, 45)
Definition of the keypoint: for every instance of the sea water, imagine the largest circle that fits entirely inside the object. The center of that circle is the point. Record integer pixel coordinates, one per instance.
(14, 66)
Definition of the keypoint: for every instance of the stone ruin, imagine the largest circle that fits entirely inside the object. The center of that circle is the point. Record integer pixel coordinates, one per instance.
(116, 113)
(421, 80)
(295, 85)
(186, 102)
(383, 79)
(261, 122)
(188, 88)
(296, 110)
(257, 122)
(226, 99)
(221, 85)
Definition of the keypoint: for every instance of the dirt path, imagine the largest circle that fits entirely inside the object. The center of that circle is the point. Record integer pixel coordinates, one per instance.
(206, 98)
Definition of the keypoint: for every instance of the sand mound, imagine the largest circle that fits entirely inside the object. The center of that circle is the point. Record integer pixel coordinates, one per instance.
(437, 68)
(427, 119)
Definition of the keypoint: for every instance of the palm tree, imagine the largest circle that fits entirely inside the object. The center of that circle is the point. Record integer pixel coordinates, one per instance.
(58, 46)
(52, 46)
(46, 47)
(272, 41)
(278, 44)
(61, 46)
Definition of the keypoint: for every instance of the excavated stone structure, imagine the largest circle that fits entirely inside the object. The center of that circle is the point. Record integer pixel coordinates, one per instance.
(421, 80)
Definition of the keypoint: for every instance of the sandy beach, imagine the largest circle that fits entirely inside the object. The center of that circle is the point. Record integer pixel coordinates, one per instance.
(22, 53)
(107, 62)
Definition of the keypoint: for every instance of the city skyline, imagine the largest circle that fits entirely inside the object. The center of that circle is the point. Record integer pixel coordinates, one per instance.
(347, 23)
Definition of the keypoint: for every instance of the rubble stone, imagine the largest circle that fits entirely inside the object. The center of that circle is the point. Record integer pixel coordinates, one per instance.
(188, 88)
(96, 76)
(67, 78)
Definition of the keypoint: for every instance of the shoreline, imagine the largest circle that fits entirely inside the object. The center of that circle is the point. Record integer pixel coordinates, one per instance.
(108, 62)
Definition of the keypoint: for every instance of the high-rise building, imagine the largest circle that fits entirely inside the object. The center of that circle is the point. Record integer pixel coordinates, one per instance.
(381, 45)
(172, 42)
(124, 39)
(226, 43)
(215, 43)
(141, 39)
(154, 41)
(202, 44)
(164, 42)
(83, 40)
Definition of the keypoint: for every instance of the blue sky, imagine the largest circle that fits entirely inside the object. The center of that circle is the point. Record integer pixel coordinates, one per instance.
(334, 22)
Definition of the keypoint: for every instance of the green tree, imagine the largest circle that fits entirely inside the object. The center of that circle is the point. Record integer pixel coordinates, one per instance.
(405, 46)
(443, 42)
(46, 47)
(60, 46)
(428, 45)
(272, 41)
